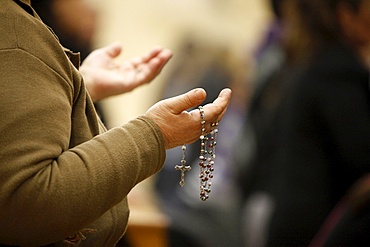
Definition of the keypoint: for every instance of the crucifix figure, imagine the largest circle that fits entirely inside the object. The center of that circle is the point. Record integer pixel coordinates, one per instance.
(183, 169)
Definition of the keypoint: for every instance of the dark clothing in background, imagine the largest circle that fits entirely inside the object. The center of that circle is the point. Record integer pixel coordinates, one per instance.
(323, 129)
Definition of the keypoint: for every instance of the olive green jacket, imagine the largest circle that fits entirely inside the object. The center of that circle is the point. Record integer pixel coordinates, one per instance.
(63, 176)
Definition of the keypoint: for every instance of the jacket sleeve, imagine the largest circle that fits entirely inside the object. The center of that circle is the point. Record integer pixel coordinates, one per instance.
(48, 188)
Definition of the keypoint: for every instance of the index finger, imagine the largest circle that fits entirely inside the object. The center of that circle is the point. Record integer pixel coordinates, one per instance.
(216, 110)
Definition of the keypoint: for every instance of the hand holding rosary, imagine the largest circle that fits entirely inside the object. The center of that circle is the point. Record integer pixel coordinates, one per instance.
(206, 157)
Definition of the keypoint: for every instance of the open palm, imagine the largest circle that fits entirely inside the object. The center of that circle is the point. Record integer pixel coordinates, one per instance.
(105, 77)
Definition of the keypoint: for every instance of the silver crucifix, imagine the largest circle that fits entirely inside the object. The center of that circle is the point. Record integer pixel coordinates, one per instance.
(183, 169)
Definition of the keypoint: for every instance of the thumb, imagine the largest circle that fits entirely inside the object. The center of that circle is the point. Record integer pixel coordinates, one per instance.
(186, 101)
(113, 49)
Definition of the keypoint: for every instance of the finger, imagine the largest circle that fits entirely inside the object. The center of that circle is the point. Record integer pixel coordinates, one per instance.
(162, 59)
(139, 60)
(153, 67)
(151, 54)
(147, 72)
(215, 111)
(225, 95)
(113, 49)
(165, 54)
(161, 53)
(156, 64)
(186, 101)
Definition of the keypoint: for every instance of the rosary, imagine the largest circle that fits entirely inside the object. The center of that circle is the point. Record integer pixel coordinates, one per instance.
(206, 158)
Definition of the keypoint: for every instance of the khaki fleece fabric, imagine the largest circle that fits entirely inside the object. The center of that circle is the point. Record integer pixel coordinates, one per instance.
(60, 175)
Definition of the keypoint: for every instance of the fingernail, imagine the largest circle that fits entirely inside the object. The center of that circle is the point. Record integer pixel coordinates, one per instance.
(199, 94)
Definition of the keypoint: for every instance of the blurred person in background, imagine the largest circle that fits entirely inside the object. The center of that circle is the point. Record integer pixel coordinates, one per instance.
(275, 65)
(65, 177)
(74, 21)
(320, 129)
